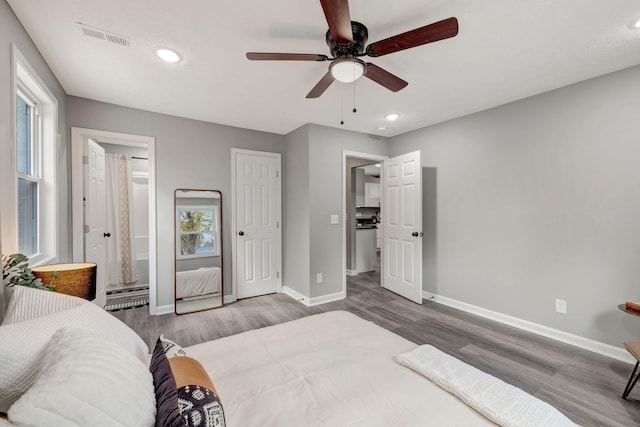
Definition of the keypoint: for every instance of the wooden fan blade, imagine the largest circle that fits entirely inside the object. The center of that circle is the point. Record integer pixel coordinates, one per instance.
(428, 34)
(384, 78)
(339, 19)
(321, 86)
(260, 56)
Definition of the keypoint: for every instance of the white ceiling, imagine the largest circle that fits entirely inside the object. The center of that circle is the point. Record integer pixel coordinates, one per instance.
(505, 50)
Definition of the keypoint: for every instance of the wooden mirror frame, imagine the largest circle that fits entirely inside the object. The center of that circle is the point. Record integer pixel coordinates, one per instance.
(175, 250)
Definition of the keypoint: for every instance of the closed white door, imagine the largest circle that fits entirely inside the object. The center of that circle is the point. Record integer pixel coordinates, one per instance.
(95, 216)
(257, 223)
(402, 219)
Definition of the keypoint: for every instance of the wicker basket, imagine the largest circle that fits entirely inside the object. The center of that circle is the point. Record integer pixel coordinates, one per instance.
(77, 279)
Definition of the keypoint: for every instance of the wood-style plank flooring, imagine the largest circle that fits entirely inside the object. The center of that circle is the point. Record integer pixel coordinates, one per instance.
(583, 385)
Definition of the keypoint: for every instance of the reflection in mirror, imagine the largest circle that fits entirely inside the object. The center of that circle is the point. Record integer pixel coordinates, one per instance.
(198, 252)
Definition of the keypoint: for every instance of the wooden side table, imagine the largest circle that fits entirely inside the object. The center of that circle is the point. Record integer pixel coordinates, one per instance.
(76, 278)
(626, 309)
(634, 349)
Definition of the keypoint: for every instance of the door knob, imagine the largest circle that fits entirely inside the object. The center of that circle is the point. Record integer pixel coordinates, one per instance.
(414, 234)
(240, 233)
(106, 235)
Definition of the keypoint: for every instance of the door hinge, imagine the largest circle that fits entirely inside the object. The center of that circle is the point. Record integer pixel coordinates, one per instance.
(85, 160)
(86, 229)
(277, 224)
(277, 174)
(277, 275)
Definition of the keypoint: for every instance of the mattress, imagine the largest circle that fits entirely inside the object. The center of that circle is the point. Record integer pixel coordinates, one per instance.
(331, 369)
(199, 282)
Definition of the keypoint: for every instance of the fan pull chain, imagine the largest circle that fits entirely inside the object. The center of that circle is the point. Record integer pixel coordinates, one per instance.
(354, 93)
(342, 104)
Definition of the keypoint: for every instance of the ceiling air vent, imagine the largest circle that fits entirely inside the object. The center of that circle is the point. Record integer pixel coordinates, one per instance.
(104, 35)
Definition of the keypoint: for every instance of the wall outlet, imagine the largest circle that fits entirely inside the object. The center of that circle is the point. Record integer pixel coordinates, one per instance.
(561, 306)
(319, 278)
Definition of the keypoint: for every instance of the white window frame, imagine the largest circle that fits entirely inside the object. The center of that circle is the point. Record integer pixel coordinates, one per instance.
(27, 83)
(216, 231)
(36, 154)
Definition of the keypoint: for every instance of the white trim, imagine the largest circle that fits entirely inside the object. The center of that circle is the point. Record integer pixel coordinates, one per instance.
(295, 295)
(78, 136)
(165, 309)
(228, 299)
(604, 349)
(349, 272)
(358, 155)
(234, 232)
(323, 299)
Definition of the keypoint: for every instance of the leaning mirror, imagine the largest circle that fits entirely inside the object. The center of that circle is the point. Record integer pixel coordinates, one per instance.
(198, 253)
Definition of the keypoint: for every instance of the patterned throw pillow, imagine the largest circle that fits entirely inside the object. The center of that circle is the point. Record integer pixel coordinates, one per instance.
(185, 395)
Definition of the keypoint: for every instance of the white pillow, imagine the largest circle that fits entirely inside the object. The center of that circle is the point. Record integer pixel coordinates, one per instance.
(23, 344)
(29, 303)
(87, 381)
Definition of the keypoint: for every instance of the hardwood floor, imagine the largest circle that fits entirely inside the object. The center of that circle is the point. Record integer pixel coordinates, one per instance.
(583, 385)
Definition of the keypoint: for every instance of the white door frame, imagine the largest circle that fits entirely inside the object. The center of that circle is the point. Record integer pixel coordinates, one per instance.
(234, 235)
(78, 135)
(358, 155)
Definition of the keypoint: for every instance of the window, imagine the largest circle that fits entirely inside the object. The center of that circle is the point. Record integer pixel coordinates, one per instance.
(197, 231)
(28, 147)
(35, 131)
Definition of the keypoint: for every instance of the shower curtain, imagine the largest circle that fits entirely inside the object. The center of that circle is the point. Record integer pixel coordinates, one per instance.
(121, 250)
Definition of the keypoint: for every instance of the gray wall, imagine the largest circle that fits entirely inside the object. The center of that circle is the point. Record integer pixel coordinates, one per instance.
(295, 218)
(11, 31)
(189, 154)
(325, 188)
(538, 200)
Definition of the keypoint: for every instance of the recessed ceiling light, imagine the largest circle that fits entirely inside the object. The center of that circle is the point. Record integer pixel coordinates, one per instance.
(637, 24)
(168, 55)
(391, 117)
(382, 128)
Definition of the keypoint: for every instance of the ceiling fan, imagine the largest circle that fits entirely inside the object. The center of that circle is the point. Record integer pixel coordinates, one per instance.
(346, 40)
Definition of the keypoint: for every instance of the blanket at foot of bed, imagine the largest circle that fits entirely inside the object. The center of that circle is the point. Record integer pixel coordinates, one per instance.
(500, 402)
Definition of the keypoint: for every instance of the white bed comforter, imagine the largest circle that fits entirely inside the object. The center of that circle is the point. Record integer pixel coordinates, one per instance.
(199, 282)
(332, 369)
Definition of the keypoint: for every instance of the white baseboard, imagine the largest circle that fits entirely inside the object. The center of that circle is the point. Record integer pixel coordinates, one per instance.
(351, 272)
(326, 298)
(295, 295)
(608, 350)
(228, 299)
(165, 309)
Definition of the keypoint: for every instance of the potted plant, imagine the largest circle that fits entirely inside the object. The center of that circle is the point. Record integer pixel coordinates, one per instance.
(16, 271)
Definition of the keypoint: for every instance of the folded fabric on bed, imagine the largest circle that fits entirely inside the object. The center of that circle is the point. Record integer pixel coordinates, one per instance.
(502, 403)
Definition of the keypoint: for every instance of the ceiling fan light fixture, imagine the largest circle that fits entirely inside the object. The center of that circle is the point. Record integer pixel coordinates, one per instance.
(347, 70)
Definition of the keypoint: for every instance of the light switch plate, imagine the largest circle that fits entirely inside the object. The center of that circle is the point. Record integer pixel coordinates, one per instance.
(335, 219)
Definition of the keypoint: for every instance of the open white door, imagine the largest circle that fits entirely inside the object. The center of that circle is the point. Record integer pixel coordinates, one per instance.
(402, 219)
(95, 216)
(256, 211)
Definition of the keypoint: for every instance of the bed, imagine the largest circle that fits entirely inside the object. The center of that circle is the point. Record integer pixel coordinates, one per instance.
(331, 369)
(196, 283)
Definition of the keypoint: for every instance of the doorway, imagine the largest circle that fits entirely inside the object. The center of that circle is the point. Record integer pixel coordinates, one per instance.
(113, 183)
(362, 236)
